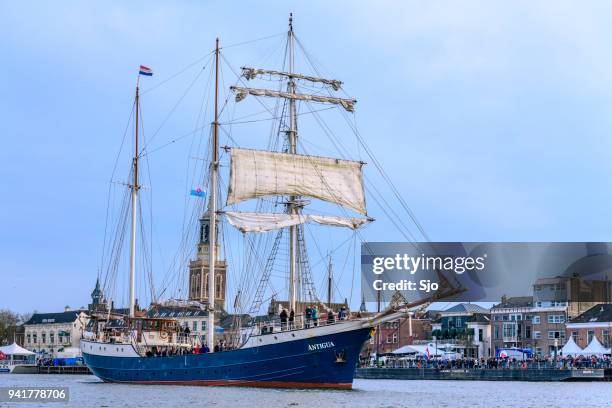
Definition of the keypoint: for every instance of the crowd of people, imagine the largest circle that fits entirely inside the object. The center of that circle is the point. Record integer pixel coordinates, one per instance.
(577, 362)
(221, 345)
(311, 317)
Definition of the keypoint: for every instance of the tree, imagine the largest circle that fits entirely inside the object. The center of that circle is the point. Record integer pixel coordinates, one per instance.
(8, 325)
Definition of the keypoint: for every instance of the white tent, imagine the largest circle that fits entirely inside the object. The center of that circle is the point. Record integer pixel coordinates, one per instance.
(425, 350)
(595, 348)
(15, 350)
(571, 348)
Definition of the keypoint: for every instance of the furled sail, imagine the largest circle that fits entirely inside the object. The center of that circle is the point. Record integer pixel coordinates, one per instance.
(251, 73)
(260, 222)
(258, 173)
(241, 93)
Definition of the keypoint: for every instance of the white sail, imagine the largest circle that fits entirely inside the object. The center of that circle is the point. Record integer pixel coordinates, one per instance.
(257, 173)
(262, 222)
(251, 73)
(241, 93)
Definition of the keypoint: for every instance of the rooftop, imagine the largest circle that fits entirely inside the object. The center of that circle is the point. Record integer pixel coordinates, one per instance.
(49, 318)
(596, 314)
(466, 308)
(512, 302)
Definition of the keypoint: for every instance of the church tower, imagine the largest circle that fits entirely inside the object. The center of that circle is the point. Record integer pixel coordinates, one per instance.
(98, 303)
(198, 289)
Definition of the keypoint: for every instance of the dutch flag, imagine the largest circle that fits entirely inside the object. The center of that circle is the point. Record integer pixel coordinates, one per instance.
(145, 71)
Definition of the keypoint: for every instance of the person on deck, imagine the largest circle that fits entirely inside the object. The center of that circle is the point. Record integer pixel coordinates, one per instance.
(315, 316)
(291, 319)
(308, 313)
(205, 349)
(330, 317)
(283, 319)
(342, 313)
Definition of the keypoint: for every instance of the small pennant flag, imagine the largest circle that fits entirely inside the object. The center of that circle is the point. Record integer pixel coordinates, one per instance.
(198, 192)
(145, 71)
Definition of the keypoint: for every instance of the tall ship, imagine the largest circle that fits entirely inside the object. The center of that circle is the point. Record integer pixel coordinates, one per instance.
(295, 346)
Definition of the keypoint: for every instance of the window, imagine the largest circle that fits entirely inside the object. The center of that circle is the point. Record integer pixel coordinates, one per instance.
(505, 318)
(556, 319)
(43, 337)
(605, 334)
(537, 335)
(34, 338)
(51, 337)
(509, 329)
(536, 319)
(575, 336)
(394, 337)
(496, 332)
(556, 334)
(195, 326)
(528, 332)
(218, 286)
(538, 304)
(480, 335)
(590, 335)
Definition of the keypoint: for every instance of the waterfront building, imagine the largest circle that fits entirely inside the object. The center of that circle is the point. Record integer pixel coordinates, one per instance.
(402, 332)
(51, 333)
(198, 288)
(595, 322)
(574, 293)
(517, 322)
(468, 327)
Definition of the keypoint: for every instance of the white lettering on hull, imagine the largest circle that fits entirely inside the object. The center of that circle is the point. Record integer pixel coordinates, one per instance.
(321, 346)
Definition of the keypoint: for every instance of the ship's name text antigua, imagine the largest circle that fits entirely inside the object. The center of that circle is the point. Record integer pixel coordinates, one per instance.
(321, 346)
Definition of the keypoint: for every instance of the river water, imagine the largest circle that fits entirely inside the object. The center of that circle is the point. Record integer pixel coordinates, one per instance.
(88, 391)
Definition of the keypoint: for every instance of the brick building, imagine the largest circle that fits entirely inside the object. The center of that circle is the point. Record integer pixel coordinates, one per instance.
(595, 322)
(516, 322)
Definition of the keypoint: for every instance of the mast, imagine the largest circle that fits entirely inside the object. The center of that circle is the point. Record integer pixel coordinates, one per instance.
(330, 271)
(212, 211)
(292, 205)
(134, 188)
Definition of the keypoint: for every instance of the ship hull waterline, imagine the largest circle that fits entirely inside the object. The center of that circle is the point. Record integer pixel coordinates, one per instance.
(326, 361)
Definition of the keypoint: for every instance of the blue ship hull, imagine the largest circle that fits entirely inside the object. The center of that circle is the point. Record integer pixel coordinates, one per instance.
(326, 361)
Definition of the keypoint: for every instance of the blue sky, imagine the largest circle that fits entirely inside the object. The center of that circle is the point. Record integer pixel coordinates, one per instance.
(493, 118)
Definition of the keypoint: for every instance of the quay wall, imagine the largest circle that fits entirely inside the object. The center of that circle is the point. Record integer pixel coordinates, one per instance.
(546, 374)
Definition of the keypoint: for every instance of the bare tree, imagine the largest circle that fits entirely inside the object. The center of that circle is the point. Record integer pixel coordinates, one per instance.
(8, 325)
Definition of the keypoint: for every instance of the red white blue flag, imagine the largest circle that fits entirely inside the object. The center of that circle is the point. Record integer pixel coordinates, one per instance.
(145, 71)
